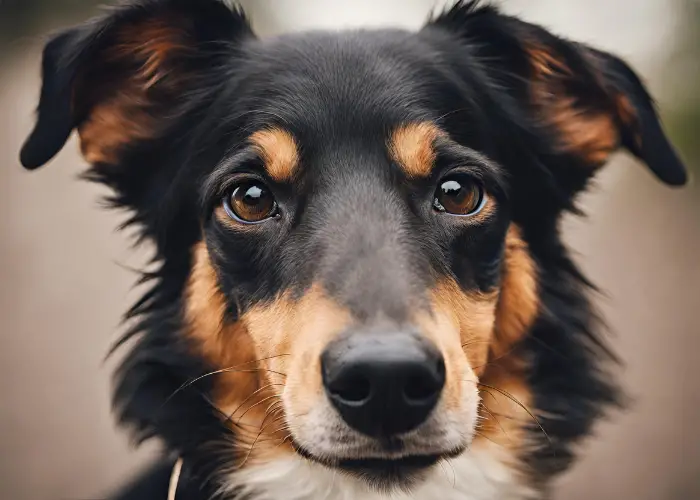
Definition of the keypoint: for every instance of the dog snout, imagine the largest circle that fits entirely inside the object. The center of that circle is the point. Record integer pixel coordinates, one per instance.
(383, 384)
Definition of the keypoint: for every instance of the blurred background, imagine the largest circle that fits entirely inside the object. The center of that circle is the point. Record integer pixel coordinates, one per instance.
(64, 278)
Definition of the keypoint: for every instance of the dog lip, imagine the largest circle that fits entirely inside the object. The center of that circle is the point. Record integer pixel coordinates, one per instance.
(379, 466)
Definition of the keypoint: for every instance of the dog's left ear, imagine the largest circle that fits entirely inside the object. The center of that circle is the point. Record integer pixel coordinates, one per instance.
(589, 101)
(121, 79)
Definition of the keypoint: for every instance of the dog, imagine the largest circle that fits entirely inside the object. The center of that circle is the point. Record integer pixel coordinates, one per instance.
(360, 288)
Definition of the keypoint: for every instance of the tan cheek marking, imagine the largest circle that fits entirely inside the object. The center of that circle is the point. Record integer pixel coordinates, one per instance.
(244, 393)
(464, 324)
(460, 324)
(316, 321)
(588, 133)
(285, 336)
(518, 302)
(127, 112)
(279, 152)
(506, 398)
(412, 148)
(503, 427)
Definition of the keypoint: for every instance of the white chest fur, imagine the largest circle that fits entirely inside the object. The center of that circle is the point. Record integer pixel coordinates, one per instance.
(475, 475)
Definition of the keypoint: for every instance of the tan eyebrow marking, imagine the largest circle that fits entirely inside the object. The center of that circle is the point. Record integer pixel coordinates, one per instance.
(279, 152)
(412, 147)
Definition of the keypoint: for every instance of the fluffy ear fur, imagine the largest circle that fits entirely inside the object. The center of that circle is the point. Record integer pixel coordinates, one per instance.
(120, 79)
(590, 102)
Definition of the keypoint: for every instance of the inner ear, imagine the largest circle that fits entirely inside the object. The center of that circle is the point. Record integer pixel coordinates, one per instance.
(123, 93)
(569, 100)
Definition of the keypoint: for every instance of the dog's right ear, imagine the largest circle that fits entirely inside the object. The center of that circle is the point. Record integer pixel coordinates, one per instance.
(586, 102)
(120, 79)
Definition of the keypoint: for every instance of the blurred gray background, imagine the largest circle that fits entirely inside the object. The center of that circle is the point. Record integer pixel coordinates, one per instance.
(64, 282)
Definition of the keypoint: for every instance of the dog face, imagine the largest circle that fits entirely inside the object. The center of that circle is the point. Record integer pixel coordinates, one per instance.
(360, 246)
(356, 231)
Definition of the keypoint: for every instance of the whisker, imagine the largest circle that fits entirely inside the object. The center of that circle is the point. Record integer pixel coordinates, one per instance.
(263, 426)
(273, 407)
(258, 403)
(482, 435)
(458, 110)
(521, 405)
(215, 407)
(490, 394)
(505, 354)
(284, 440)
(225, 370)
(497, 421)
(250, 396)
(281, 428)
(254, 442)
(276, 419)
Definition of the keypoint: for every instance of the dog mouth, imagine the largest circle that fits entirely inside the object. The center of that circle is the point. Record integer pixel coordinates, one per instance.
(383, 473)
(389, 470)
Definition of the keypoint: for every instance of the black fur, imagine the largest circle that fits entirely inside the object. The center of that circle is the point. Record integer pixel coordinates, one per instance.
(339, 94)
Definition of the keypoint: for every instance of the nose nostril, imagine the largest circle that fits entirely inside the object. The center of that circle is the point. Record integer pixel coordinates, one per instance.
(419, 388)
(441, 370)
(352, 390)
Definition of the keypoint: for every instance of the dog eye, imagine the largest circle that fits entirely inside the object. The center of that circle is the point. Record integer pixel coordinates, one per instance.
(459, 195)
(250, 202)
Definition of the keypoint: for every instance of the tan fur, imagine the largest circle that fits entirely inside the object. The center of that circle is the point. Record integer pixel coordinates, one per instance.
(277, 342)
(242, 393)
(518, 301)
(475, 333)
(279, 152)
(412, 148)
(591, 134)
(505, 395)
(302, 330)
(628, 117)
(506, 405)
(112, 125)
(125, 110)
(463, 325)
(280, 342)
(459, 323)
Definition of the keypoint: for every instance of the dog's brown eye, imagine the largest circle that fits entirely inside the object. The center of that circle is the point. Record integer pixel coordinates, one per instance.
(459, 195)
(250, 202)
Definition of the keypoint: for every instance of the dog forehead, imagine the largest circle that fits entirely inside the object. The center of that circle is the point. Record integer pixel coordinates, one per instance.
(339, 83)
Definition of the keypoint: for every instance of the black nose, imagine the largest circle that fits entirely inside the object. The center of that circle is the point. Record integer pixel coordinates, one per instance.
(383, 384)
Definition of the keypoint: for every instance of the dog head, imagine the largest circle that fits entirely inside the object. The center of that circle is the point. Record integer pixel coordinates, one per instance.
(352, 229)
